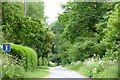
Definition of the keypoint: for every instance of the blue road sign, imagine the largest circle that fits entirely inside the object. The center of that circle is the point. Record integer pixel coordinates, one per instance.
(6, 47)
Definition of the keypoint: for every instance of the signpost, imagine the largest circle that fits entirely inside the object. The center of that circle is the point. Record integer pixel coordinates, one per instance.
(6, 48)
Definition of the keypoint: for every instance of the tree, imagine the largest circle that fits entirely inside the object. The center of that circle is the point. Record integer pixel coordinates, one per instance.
(80, 18)
(112, 35)
(85, 26)
(35, 9)
(26, 30)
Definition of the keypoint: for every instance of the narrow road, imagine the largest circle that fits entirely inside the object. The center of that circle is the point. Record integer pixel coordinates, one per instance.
(59, 72)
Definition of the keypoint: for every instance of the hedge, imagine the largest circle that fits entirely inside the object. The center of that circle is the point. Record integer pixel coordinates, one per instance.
(26, 54)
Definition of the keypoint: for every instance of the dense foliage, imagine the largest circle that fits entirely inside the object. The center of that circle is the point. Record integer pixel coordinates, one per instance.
(88, 29)
(96, 67)
(25, 54)
(12, 67)
(86, 36)
(35, 9)
(23, 30)
(27, 30)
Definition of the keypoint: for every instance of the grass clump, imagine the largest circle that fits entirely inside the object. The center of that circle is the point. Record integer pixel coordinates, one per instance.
(110, 72)
(38, 73)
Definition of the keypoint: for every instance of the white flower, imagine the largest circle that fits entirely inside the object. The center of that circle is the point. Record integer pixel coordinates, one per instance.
(4, 66)
(100, 62)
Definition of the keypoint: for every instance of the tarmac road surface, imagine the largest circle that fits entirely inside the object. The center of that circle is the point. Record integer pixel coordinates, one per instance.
(60, 72)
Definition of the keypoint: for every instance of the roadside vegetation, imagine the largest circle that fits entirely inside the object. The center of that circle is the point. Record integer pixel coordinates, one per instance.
(21, 64)
(40, 72)
(87, 38)
(84, 38)
(96, 67)
(30, 40)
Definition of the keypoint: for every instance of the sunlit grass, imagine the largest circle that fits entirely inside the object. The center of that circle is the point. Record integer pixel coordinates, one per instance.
(39, 73)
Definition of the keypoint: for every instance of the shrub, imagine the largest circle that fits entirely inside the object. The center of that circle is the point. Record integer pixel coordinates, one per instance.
(96, 67)
(52, 64)
(100, 67)
(45, 61)
(26, 54)
(11, 68)
(40, 61)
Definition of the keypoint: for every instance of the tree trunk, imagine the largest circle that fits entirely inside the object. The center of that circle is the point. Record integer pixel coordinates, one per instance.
(47, 60)
(38, 57)
(42, 60)
(38, 62)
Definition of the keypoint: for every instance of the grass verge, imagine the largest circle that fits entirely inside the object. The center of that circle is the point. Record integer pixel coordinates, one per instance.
(39, 73)
(94, 71)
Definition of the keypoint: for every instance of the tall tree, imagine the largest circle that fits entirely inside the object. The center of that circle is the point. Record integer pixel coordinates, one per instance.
(80, 18)
(35, 9)
(25, 30)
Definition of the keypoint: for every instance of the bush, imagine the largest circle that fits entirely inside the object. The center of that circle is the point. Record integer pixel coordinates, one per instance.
(96, 67)
(11, 68)
(41, 61)
(52, 64)
(79, 51)
(27, 55)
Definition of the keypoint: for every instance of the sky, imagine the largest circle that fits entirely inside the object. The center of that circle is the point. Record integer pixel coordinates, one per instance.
(52, 8)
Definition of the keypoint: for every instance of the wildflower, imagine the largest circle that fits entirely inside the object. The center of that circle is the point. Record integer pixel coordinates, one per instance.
(94, 70)
(100, 62)
(4, 66)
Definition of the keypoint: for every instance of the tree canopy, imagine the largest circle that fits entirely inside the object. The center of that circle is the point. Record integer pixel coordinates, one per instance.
(27, 30)
(87, 29)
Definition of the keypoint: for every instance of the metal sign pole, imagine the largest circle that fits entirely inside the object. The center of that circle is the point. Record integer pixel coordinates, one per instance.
(6, 57)
(6, 49)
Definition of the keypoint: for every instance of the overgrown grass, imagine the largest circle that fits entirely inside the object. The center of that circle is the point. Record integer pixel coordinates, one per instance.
(43, 67)
(96, 68)
(39, 73)
(110, 72)
(11, 68)
(81, 69)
